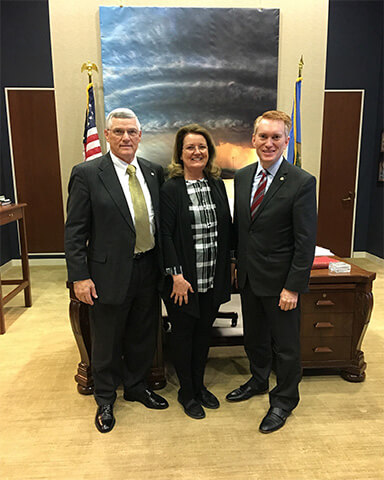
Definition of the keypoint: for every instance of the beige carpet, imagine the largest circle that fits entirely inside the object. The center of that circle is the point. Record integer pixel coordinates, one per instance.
(47, 429)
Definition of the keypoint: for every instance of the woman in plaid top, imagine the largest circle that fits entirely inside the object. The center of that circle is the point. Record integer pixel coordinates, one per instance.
(196, 231)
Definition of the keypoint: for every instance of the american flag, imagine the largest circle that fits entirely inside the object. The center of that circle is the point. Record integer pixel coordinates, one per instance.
(92, 148)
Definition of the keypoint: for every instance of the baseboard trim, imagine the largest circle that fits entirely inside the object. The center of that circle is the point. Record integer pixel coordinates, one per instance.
(369, 256)
(33, 262)
(6, 267)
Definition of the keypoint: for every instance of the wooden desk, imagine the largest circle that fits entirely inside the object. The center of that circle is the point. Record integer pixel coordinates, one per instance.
(8, 214)
(334, 318)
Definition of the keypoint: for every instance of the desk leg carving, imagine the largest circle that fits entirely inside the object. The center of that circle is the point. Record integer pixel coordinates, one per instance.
(364, 305)
(156, 377)
(78, 313)
(79, 316)
(355, 372)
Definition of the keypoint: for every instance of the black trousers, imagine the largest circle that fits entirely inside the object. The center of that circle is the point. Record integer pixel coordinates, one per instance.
(124, 336)
(271, 334)
(190, 341)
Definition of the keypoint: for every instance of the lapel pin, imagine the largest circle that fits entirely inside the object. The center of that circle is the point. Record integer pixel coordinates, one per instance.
(281, 179)
(153, 174)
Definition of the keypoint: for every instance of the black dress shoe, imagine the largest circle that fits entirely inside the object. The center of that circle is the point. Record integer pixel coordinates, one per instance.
(148, 398)
(244, 392)
(192, 408)
(104, 419)
(207, 399)
(274, 420)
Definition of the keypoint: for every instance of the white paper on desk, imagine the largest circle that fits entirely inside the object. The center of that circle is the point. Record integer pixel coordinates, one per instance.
(322, 252)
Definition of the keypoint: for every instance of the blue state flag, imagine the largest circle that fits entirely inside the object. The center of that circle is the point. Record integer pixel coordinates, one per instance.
(294, 146)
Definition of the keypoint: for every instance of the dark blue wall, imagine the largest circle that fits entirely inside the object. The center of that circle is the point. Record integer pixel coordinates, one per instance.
(25, 62)
(355, 61)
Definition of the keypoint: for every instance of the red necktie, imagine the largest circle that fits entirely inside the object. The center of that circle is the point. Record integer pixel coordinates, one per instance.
(259, 194)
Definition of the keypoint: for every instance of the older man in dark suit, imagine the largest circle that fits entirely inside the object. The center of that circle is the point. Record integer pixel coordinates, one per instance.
(275, 223)
(113, 258)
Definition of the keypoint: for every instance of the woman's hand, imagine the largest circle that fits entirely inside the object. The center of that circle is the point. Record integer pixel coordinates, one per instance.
(180, 289)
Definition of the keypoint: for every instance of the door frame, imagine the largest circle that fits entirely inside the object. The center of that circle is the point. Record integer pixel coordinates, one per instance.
(362, 91)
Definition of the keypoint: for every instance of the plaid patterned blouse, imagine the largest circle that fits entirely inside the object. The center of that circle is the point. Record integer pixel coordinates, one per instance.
(204, 229)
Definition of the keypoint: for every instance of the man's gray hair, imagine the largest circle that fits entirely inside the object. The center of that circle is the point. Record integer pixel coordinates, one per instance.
(121, 113)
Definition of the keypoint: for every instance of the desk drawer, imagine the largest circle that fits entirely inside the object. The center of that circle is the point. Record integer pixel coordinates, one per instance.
(10, 216)
(327, 301)
(327, 325)
(325, 348)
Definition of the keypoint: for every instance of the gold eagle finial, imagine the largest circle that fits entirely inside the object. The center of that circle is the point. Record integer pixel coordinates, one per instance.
(301, 65)
(89, 66)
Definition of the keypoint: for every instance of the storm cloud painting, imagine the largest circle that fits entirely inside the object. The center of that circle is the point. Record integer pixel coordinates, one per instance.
(174, 66)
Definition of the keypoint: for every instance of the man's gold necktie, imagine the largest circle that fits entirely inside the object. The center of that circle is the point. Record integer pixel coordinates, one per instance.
(144, 238)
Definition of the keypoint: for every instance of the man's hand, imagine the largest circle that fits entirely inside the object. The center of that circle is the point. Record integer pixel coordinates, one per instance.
(85, 291)
(288, 299)
(180, 289)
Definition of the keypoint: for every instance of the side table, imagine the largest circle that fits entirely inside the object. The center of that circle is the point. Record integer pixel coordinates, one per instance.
(8, 214)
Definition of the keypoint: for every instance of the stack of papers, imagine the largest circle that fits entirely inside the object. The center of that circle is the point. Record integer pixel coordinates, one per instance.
(339, 267)
(321, 252)
(4, 201)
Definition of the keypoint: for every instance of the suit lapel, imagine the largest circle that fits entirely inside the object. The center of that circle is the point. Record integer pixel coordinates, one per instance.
(111, 182)
(278, 181)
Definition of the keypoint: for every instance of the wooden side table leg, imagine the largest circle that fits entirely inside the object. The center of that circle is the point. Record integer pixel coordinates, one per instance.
(2, 318)
(28, 296)
(24, 260)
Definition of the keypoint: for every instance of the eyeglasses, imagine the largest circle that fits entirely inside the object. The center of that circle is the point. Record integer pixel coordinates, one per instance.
(192, 148)
(119, 132)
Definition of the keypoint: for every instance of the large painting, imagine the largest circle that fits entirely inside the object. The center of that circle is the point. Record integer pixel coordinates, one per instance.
(173, 66)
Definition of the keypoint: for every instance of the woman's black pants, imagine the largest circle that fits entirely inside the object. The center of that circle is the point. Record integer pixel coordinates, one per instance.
(190, 341)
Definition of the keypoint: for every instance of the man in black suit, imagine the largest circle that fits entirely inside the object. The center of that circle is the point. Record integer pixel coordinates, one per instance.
(275, 224)
(113, 258)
